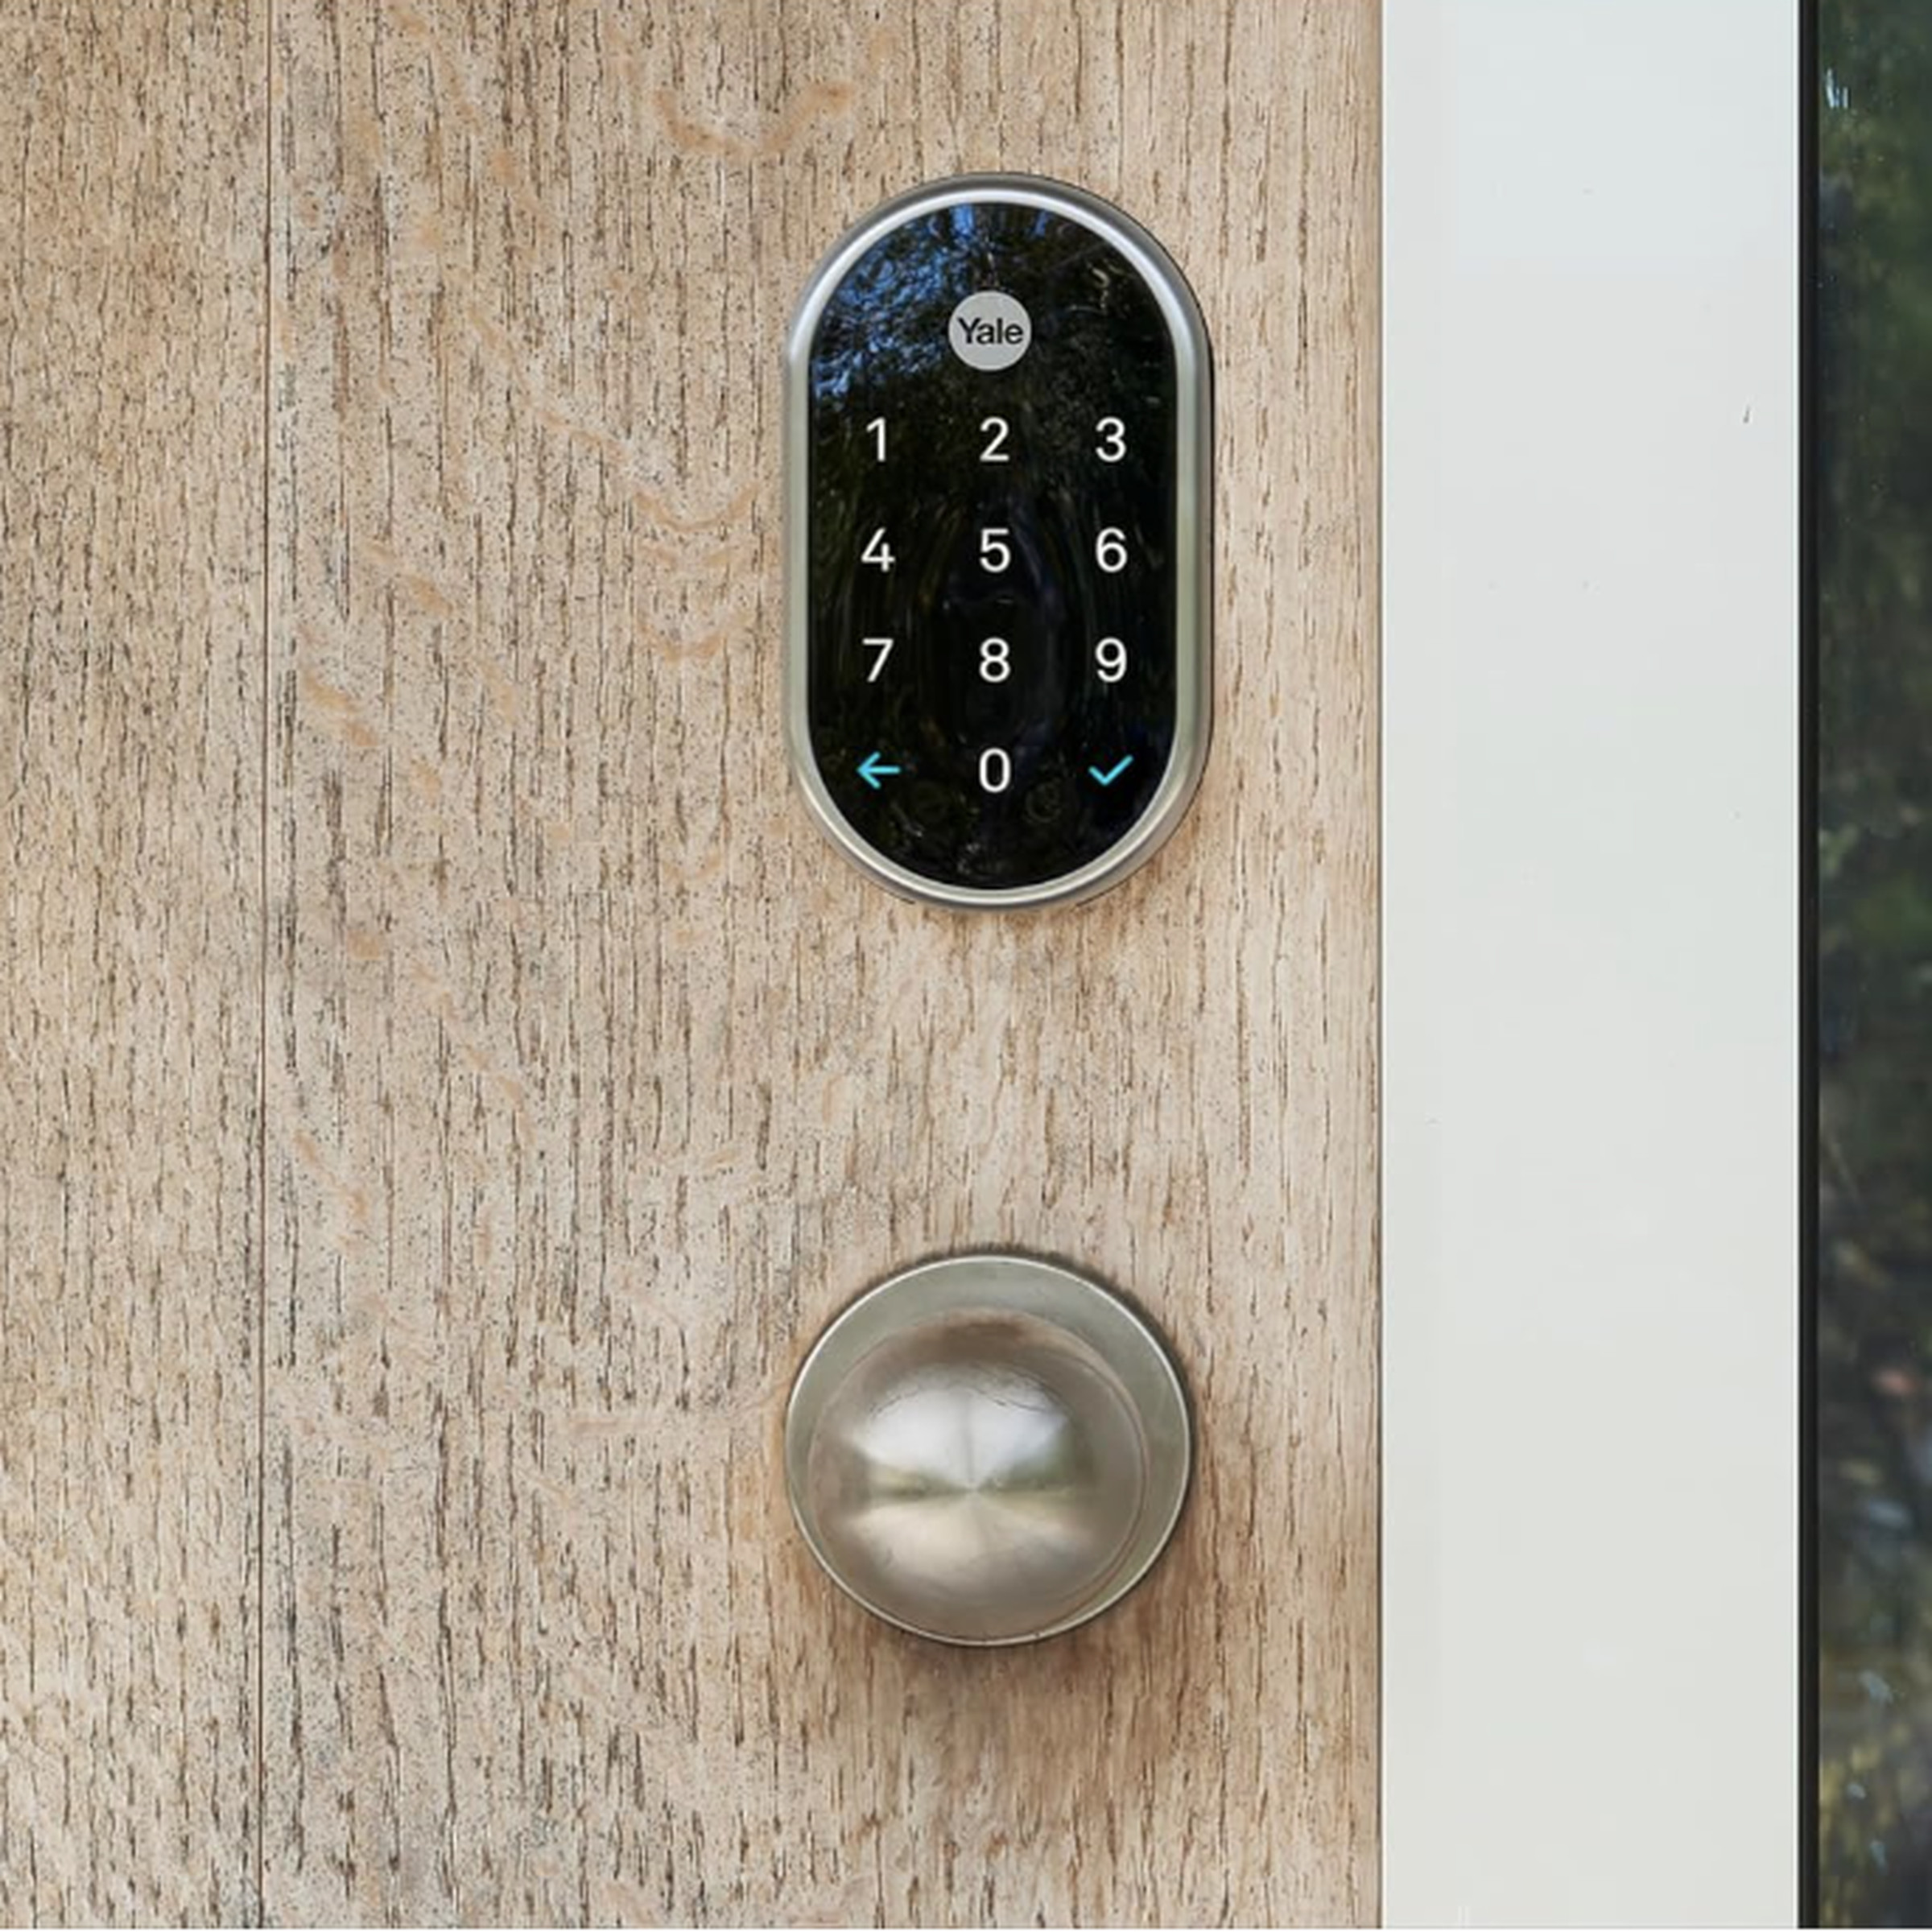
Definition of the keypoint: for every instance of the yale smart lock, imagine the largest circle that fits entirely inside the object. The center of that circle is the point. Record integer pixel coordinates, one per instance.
(998, 418)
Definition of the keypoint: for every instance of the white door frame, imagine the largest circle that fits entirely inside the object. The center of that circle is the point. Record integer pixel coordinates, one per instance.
(1592, 1081)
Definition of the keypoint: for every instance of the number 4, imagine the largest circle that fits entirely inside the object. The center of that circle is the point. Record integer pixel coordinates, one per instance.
(878, 552)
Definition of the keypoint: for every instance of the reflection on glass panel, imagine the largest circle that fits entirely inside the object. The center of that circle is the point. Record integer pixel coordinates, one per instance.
(1873, 500)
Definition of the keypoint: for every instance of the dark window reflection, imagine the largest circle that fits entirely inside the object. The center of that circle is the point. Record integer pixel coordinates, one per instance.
(1873, 501)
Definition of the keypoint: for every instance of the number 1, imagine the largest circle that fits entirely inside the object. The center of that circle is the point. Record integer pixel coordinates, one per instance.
(875, 429)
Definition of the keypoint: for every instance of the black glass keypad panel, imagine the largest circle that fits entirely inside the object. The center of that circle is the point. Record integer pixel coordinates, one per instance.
(992, 569)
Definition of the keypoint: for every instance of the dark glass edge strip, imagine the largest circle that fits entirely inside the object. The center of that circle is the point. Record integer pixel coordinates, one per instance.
(1809, 1895)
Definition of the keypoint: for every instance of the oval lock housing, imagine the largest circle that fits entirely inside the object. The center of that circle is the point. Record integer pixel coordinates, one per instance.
(998, 431)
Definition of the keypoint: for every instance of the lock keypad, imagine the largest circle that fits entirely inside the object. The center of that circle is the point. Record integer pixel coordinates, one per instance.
(993, 444)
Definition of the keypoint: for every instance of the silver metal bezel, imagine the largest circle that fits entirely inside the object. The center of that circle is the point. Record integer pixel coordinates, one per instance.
(992, 1283)
(1193, 545)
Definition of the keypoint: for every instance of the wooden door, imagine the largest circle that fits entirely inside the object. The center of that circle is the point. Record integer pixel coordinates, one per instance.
(449, 1082)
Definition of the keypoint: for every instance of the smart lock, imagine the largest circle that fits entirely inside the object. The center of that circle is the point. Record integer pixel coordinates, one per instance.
(998, 422)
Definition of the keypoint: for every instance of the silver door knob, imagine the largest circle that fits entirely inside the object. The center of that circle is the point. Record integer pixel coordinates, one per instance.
(987, 1449)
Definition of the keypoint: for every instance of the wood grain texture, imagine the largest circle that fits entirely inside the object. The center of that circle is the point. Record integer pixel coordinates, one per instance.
(597, 1081)
(133, 211)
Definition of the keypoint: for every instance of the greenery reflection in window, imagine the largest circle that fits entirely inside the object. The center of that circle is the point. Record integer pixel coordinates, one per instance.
(1874, 506)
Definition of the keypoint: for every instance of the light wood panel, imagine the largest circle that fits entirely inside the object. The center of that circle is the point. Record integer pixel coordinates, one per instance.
(598, 1083)
(132, 220)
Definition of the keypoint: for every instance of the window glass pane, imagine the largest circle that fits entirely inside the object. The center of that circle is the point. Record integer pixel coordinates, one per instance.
(1872, 499)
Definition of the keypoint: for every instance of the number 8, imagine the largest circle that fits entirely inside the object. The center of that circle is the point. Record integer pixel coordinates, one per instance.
(996, 664)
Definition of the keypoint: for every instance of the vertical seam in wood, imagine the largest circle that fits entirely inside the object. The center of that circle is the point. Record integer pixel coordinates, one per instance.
(260, 1686)
(1369, 155)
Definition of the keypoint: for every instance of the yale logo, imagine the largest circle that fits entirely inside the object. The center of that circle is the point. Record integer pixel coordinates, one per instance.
(989, 331)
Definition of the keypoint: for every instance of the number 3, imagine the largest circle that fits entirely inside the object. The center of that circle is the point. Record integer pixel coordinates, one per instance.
(1115, 447)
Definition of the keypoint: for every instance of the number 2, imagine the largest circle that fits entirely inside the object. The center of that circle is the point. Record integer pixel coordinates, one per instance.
(995, 450)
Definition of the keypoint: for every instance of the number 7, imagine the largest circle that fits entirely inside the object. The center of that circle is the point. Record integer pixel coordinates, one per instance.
(883, 646)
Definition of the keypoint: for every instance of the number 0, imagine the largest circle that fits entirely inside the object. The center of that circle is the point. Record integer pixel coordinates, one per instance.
(995, 770)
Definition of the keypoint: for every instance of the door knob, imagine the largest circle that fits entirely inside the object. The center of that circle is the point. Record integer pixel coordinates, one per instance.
(987, 1449)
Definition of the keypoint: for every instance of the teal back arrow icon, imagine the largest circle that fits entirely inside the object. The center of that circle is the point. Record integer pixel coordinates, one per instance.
(871, 770)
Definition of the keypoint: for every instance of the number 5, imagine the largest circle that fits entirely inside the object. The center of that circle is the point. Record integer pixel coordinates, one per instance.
(996, 553)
